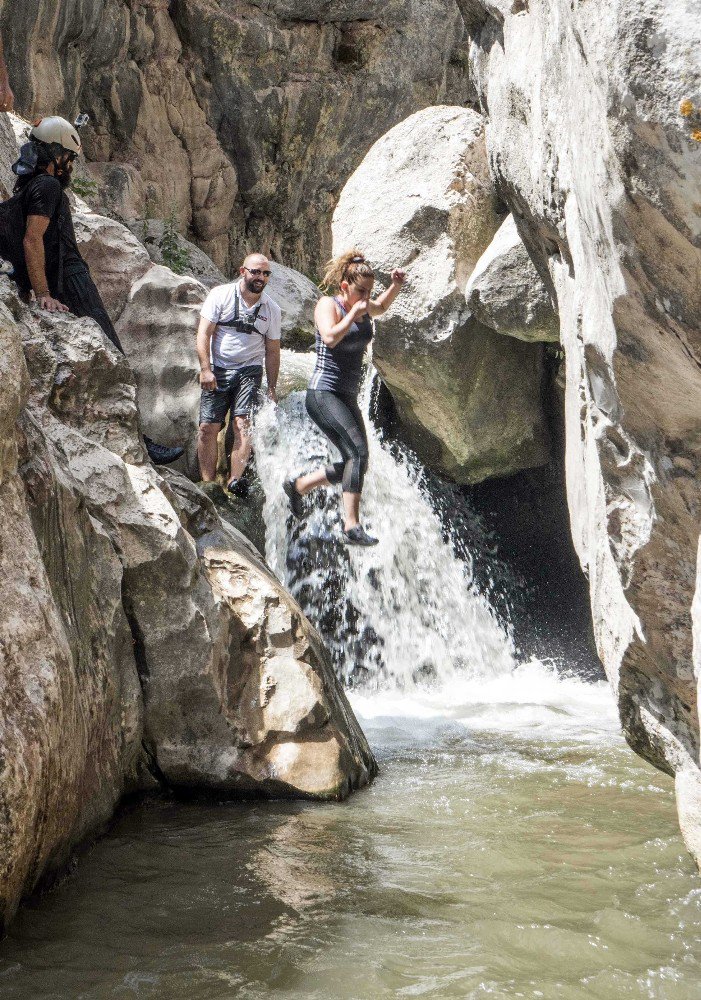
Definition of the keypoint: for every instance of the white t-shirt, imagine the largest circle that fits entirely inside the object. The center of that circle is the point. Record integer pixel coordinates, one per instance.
(232, 348)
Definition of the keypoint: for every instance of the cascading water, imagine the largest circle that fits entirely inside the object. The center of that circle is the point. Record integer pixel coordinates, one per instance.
(403, 614)
(409, 631)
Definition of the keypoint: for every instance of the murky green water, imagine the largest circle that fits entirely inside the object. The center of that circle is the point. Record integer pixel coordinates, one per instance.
(508, 850)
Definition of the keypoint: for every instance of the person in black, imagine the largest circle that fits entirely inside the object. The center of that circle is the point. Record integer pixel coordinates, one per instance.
(56, 271)
(343, 332)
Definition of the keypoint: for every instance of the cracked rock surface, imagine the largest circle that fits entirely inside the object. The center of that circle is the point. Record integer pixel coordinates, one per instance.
(144, 641)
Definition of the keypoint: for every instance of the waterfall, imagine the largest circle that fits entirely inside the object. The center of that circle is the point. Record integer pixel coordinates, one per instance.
(405, 614)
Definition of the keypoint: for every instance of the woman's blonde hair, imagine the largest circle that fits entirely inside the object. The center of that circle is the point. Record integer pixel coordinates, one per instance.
(348, 267)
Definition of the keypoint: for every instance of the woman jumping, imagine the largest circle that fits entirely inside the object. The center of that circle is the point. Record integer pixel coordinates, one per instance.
(343, 331)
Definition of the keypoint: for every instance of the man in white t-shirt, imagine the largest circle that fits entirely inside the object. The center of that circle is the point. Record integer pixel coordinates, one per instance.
(239, 333)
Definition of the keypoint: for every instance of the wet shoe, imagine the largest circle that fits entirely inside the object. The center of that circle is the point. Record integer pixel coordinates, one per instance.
(295, 498)
(161, 454)
(240, 488)
(359, 536)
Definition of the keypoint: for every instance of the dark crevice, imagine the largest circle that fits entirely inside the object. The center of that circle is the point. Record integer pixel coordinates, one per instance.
(139, 646)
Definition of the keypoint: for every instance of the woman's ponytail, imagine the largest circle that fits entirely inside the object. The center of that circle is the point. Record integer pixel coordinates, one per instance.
(348, 267)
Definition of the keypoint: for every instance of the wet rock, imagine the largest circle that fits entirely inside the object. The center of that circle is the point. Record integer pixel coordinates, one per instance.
(244, 514)
(469, 399)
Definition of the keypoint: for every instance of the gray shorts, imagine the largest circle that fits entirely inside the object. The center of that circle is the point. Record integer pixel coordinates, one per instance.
(237, 390)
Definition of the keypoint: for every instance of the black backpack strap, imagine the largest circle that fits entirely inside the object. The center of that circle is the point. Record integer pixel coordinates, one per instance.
(233, 322)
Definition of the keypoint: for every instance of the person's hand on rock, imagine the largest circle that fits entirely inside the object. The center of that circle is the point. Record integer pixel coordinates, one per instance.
(51, 304)
(398, 276)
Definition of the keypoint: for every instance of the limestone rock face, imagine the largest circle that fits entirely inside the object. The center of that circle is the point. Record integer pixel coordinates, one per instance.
(70, 707)
(245, 119)
(469, 399)
(505, 291)
(593, 137)
(194, 262)
(144, 641)
(157, 329)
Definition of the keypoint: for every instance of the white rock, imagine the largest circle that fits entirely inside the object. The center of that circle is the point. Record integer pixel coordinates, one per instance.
(422, 199)
(297, 297)
(506, 293)
(158, 329)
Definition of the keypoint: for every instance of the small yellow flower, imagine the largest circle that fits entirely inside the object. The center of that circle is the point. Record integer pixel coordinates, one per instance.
(696, 135)
(686, 108)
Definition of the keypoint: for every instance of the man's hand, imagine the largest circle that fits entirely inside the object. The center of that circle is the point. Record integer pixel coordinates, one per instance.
(208, 379)
(51, 304)
(398, 276)
(272, 393)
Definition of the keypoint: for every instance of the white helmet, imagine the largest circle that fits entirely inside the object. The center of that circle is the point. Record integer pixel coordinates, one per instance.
(59, 131)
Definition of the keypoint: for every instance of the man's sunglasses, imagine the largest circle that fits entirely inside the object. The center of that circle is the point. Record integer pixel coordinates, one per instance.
(255, 271)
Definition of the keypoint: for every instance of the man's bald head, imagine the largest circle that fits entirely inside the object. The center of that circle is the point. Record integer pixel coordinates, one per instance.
(255, 283)
(257, 260)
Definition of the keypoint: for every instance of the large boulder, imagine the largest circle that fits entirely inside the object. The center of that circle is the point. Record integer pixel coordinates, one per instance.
(506, 293)
(594, 139)
(469, 399)
(157, 330)
(115, 257)
(297, 297)
(70, 702)
(145, 641)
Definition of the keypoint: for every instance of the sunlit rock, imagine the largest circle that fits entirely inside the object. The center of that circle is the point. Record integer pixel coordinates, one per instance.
(145, 642)
(506, 293)
(469, 399)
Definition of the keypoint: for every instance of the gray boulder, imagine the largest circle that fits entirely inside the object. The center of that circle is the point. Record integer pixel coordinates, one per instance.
(469, 399)
(506, 293)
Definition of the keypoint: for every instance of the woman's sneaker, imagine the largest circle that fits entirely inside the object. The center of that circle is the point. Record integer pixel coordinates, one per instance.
(359, 536)
(295, 498)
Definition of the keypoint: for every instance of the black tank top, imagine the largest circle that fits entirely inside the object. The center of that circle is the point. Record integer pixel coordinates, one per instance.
(339, 368)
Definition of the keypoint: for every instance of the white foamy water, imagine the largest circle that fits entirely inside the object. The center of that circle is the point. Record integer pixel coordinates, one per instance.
(407, 607)
(407, 611)
(533, 700)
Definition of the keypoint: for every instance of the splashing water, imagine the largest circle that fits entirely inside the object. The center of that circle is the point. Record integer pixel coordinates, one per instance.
(401, 615)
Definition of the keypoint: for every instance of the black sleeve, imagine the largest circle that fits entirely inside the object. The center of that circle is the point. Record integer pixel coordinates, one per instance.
(43, 196)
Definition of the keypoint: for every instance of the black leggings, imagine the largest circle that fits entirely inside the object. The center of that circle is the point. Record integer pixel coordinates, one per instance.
(339, 417)
(83, 299)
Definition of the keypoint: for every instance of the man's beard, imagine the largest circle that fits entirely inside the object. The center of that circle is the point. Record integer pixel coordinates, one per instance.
(253, 287)
(64, 178)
